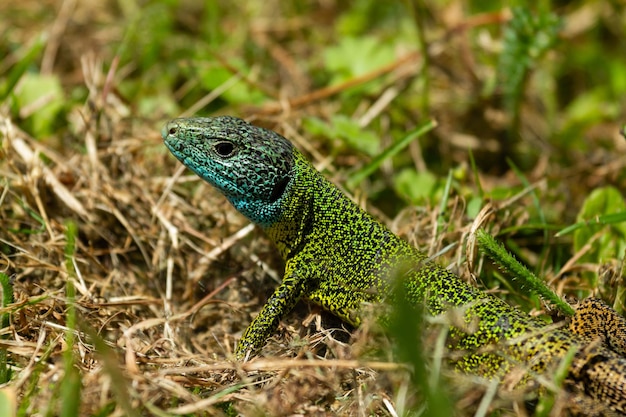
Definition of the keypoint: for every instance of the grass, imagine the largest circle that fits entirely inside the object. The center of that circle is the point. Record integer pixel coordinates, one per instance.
(137, 310)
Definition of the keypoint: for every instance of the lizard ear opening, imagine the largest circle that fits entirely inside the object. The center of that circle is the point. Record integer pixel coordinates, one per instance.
(279, 189)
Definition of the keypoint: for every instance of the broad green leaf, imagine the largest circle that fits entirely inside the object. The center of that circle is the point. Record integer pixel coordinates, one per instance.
(43, 96)
(8, 402)
(591, 107)
(347, 130)
(612, 241)
(473, 207)
(354, 57)
(415, 186)
(212, 77)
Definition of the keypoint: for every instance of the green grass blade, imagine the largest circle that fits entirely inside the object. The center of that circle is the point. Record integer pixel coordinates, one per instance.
(444, 200)
(390, 151)
(602, 220)
(71, 387)
(6, 298)
(406, 324)
(22, 66)
(520, 175)
(34, 381)
(71, 384)
(476, 174)
(110, 364)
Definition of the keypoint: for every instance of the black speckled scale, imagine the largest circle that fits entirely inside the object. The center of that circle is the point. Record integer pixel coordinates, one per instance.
(339, 257)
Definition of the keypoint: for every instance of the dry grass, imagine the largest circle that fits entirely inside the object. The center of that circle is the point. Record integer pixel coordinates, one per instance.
(168, 312)
(167, 275)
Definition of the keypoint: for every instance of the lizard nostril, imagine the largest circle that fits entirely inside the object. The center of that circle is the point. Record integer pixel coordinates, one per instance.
(172, 131)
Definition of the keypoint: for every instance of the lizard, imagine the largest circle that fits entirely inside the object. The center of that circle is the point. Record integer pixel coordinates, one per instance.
(340, 257)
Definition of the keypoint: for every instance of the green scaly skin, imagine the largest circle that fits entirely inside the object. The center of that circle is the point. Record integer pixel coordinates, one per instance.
(339, 257)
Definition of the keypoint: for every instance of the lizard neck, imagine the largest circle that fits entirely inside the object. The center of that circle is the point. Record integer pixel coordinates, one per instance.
(296, 214)
(316, 218)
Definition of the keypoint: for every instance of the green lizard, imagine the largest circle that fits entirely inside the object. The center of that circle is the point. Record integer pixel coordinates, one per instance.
(339, 257)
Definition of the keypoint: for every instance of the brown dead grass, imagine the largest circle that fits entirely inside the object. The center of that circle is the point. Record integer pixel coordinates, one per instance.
(168, 275)
(169, 313)
(162, 276)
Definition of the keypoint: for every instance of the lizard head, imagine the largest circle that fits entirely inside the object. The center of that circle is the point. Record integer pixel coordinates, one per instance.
(250, 165)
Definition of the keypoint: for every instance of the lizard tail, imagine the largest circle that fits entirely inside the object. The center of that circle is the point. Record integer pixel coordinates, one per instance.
(601, 374)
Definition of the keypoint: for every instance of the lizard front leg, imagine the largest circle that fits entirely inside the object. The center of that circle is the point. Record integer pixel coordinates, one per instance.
(277, 306)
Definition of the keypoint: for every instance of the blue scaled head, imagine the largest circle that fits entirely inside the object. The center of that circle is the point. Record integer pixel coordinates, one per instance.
(250, 165)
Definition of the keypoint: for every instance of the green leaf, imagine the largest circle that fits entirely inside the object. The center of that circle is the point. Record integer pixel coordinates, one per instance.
(354, 135)
(43, 96)
(8, 402)
(601, 202)
(415, 186)
(353, 57)
(213, 77)
(473, 207)
(347, 130)
(589, 108)
(603, 212)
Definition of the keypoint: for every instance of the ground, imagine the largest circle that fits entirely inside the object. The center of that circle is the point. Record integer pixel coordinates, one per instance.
(132, 279)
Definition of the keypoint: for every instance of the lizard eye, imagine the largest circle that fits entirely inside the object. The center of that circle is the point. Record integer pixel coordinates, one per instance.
(224, 149)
